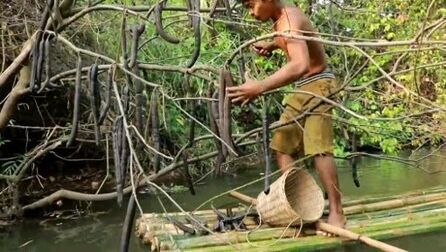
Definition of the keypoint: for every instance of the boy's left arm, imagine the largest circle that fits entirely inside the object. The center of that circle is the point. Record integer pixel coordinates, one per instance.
(297, 66)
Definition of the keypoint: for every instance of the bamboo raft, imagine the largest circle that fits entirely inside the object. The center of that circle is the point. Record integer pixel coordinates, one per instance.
(378, 218)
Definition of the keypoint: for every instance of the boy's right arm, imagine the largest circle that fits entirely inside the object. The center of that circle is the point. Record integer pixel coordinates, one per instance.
(265, 48)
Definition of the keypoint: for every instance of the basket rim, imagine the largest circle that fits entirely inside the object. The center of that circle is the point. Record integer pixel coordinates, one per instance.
(289, 210)
(287, 206)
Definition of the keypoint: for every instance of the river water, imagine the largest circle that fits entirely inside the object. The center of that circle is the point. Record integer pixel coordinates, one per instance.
(100, 231)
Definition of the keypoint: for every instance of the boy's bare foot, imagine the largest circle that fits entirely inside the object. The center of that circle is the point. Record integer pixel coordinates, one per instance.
(336, 219)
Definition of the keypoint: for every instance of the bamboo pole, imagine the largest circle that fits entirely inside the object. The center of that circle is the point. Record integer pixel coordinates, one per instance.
(395, 213)
(159, 227)
(155, 227)
(312, 243)
(243, 198)
(410, 224)
(437, 189)
(420, 219)
(197, 213)
(394, 203)
(221, 239)
(207, 216)
(249, 222)
(354, 236)
(335, 230)
(426, 216)
(168, 228)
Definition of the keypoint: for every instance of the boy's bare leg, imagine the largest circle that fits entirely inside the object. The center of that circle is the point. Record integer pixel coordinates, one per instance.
(284, 161)
(326, 169)
(325, 166)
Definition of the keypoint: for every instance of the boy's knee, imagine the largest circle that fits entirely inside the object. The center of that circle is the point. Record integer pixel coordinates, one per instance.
(324, 160)
(285, 161)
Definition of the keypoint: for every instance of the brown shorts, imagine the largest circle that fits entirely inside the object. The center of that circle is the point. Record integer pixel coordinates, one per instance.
(312, 134)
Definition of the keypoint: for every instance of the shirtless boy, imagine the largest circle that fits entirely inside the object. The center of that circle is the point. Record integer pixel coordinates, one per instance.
(306, 62)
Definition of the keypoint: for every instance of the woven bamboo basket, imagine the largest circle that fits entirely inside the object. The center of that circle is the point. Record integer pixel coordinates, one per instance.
(294, 198)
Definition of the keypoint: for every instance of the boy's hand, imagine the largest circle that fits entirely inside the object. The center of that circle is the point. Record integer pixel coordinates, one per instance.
(246, 92)
(262, 48)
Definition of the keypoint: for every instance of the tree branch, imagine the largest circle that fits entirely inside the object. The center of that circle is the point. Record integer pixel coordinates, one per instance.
(17, 92)
(68, 194)
(18, 61)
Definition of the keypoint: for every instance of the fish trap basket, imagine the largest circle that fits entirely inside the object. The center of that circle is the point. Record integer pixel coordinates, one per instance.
(294, 198)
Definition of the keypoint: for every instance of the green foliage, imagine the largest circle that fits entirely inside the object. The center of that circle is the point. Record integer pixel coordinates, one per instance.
(389, 128)
(10, 166)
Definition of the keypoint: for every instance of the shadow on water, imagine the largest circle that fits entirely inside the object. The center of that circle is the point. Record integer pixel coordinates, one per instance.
(101, 232)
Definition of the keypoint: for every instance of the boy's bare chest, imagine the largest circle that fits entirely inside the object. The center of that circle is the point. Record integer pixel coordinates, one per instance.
(280, 42)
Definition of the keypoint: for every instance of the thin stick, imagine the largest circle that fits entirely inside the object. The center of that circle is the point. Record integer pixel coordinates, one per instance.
(95, 98)
(206, 128)
(266, 150)
(110, 79)
(76, 105)
(154, 114)
(213, 125)
(358, 237)
(197, 33)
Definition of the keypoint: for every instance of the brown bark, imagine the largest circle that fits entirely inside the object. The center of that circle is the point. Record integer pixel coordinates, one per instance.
(17, 92)
(17, 63)
(20, 63)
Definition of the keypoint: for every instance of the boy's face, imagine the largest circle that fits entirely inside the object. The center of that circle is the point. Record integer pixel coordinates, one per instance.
(260, 9)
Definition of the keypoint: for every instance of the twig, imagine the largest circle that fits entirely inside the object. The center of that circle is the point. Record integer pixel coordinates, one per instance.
(164, 68)
(331, 102)
(206, 128)
(68, 194)
(251, 182)
(152, 149)
(107, 156)
(102, 57)
(330, 42)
